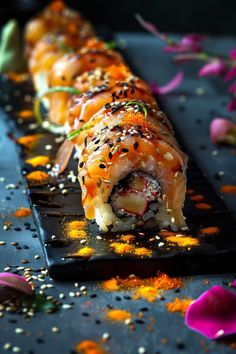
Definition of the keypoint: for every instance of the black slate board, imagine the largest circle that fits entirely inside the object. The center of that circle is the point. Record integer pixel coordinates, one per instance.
(52, 209)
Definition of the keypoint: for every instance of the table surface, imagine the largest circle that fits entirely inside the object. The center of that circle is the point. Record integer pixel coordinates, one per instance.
(86, 319)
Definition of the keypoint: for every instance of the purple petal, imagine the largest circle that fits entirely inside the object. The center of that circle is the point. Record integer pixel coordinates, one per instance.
(232, 88)
(232, 105)
(213, 314)
(192, 42)
(230, 74)
(170, 86)
(219, 129)
(232, 54)
(150, 27)
(214, 67)
(233, 283)
(16, 282)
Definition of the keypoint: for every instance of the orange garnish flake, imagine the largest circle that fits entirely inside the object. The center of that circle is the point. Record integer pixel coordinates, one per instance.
(74, 233)
(203, 206)
(142, 251)
(118, 72)
(37, 176)
(197, 197)
(25, 114)
(228, 189)
(16, 77)
(122, 248)
(179, 305)
(29, 141)
(210, 230)
(40, 160)
(127, 238)
(118, 315)
(89, 347)
(86, 252)
(183, 241)
(22, 212)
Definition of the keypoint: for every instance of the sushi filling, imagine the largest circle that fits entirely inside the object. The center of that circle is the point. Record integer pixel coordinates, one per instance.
(136, 196)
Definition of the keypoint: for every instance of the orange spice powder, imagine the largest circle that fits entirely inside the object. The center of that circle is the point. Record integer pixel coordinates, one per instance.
(29, 141)
(16, 77)
(25, 114)
(183, 241)
(179, 305)
(122, 248)
(228, 189)
(37, 177)
(142, 251)
(74, 233)
(86, 252)
(118, 315)
(76, 224)
(147, 288)
(127, 238)
(210, 230)
(89, 347)
(22, 213)
(197, 197)
(40, 160)
(203, 206)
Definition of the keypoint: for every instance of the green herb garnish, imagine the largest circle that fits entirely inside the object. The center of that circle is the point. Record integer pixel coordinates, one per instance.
(77, 132)
(111, 44)
(37, 103)
(140, 105)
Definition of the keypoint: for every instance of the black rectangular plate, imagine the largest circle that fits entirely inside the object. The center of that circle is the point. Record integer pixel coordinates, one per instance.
(51, 209)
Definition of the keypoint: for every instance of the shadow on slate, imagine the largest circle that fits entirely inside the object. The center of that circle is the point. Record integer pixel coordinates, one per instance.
(52, 209)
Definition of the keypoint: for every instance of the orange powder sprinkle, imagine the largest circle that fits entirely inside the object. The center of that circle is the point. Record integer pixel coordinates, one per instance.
(40, 160)
(203, 206)
(75, 224)
(118, 315)
(29, 141)
(179, 305)
(76, 233)
(25, 114)
(142, 251)
(89, 347)
(22, 213)
(86, 252)
(183, 241)
(127, 238)
(122, 248)
(37, 176)
(197, 197)
(167, 233)
(210, 230)
(16, 77)
(228, 189)
(147, 288)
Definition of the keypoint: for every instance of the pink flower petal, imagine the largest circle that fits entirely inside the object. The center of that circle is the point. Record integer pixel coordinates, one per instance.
(213, 314)
(232, 105)
(170, 86)
(232, 88)
(192, 42)
(234, 283)
(232, 54)
(219, 128)
(150, 27)
(16, 282)
(230, 74)
(214, 67)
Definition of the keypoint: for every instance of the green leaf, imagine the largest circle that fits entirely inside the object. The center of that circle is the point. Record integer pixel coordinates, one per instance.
(64, 47)
(76, 132)
(111, 44)
(140, 104)
(40, 303)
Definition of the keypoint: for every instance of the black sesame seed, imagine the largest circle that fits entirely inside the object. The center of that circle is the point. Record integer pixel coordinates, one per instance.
(135, 145)
(81, 164)
(17, 229)
(125, 150)
(102, 165)
(118, 140)
(96, 149)
(110, 155)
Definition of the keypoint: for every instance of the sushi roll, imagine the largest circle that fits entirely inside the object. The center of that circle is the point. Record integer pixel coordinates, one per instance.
(131, 169)
(105, 85)
(65, 70)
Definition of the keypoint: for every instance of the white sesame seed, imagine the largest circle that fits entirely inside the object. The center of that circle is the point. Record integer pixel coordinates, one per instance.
(83, 288)
(16, 349)
(53, 237)
(61, 296)
(172, 219)
(105, 336)
(48, 147)
(19, 330)
(7, 346)
(50, 286)
(66, 306)
(83, 241)
(161, 244)
(55, 329)
(36, 256)
(76, 285)
(2, 243)
(141, 350)
(64, 191)
(6, 269)
(61, 185)
(128, 321)
(168, 156)
(71, 294)
(98, 237)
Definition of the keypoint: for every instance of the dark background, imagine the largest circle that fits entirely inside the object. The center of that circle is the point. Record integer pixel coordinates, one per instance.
(203, 16)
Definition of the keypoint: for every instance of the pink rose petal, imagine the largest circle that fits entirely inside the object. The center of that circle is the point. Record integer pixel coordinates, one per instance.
(150, 27)
(170, 86)
(213, 314)
(16, 282)
(192, 42)
(214, 67)
(219, 128)
(230, 74)
(232, 54)
(232, 105)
